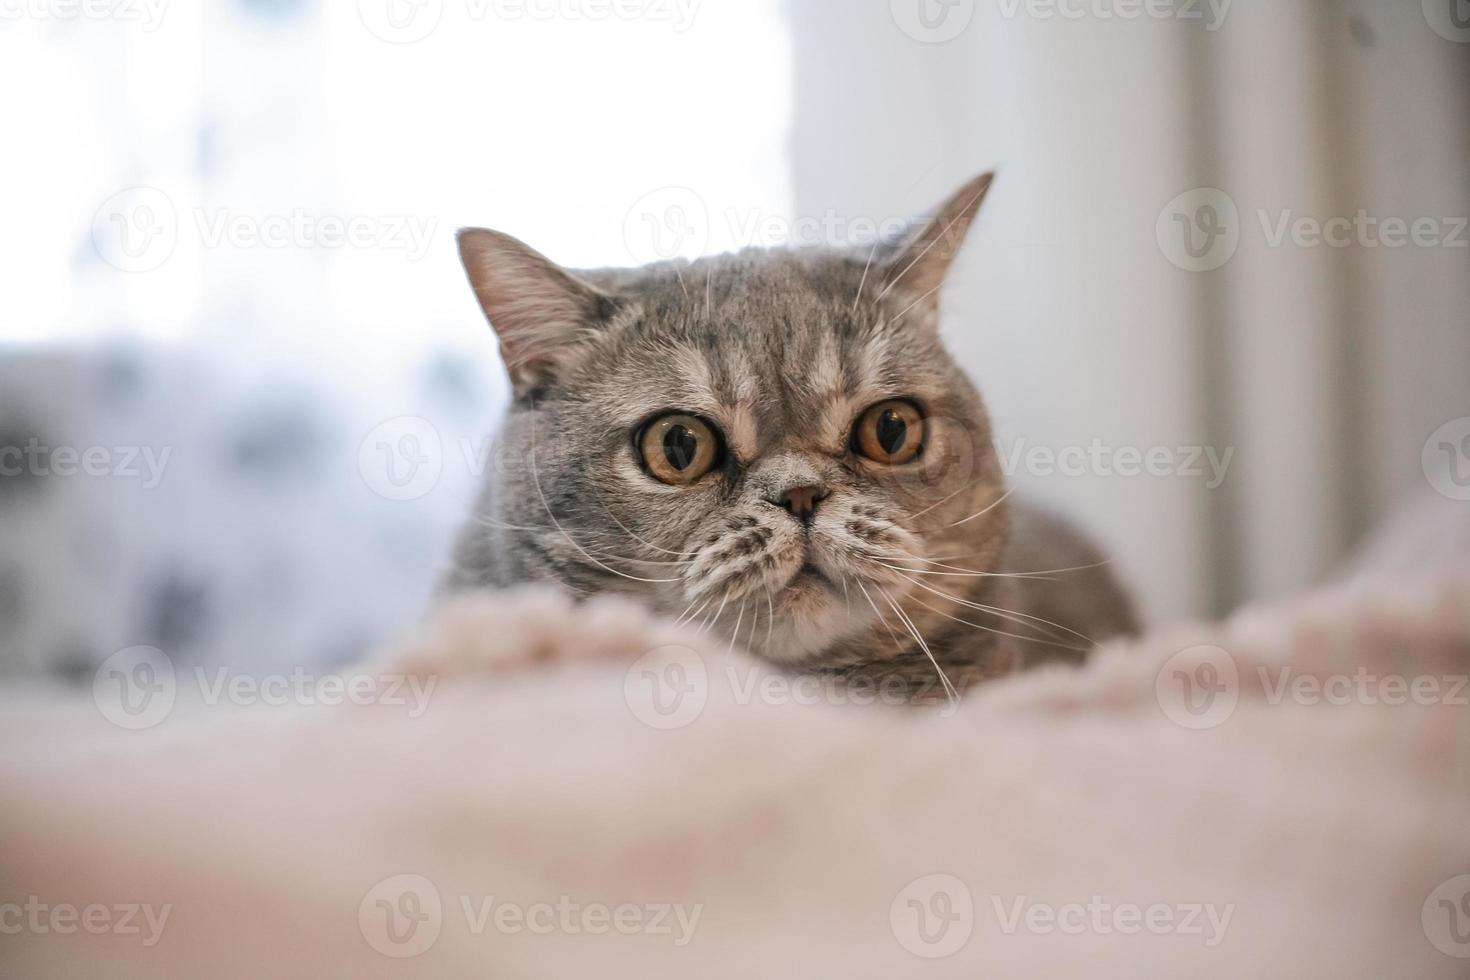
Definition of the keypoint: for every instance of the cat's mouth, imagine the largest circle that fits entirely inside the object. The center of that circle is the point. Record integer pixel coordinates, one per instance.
(811, 573)
(808, 582)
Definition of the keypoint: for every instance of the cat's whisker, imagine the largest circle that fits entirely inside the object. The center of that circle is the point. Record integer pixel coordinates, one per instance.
(961, 573)
(941, 503)
(680, 276)
(864, 280)
(487, 521)
(926, 294)
(735, 633)
(771, 625)
(879, 613)
(956, 568)
(993, 504)
(1020, 618)
(718, 613)
(687, 615)
(949, 688)
(629, 531)
(992, 629)
(536, 478)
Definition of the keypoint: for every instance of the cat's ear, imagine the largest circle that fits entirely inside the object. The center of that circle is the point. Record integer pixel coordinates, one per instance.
(538, 309)
(923, 261)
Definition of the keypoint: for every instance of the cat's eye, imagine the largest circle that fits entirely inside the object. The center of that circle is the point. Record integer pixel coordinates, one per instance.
(890, 432)
(679, 449)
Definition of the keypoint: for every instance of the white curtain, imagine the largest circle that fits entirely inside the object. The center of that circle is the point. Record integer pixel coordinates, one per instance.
(1283, 389)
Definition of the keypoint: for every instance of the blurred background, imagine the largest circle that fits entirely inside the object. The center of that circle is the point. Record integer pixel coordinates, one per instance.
(1218, 300)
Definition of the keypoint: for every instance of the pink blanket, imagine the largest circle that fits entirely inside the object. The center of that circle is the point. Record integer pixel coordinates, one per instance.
(1285, 794)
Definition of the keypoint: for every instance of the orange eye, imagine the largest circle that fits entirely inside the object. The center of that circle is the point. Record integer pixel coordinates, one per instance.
(679, 449)
(890, 433)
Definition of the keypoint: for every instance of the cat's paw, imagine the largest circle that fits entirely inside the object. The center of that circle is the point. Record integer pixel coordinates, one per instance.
(494, 631)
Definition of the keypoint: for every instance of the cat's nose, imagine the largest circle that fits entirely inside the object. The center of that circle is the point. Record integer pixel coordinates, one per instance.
(801, 502)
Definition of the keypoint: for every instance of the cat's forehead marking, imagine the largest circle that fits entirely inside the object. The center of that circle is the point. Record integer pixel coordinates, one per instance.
(742, 396)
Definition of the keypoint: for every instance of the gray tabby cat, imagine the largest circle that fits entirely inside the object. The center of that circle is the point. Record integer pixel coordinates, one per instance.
(774, 444)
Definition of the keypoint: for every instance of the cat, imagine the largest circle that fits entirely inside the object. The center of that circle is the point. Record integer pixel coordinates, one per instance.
(774, 444)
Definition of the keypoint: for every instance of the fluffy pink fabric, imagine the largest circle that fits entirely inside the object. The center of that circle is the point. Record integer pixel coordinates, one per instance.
(1071, 823)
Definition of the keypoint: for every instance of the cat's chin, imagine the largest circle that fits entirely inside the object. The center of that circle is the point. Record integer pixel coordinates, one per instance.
(813, 614)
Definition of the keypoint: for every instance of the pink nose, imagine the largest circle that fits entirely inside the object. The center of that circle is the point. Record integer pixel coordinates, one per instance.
(802, 502)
